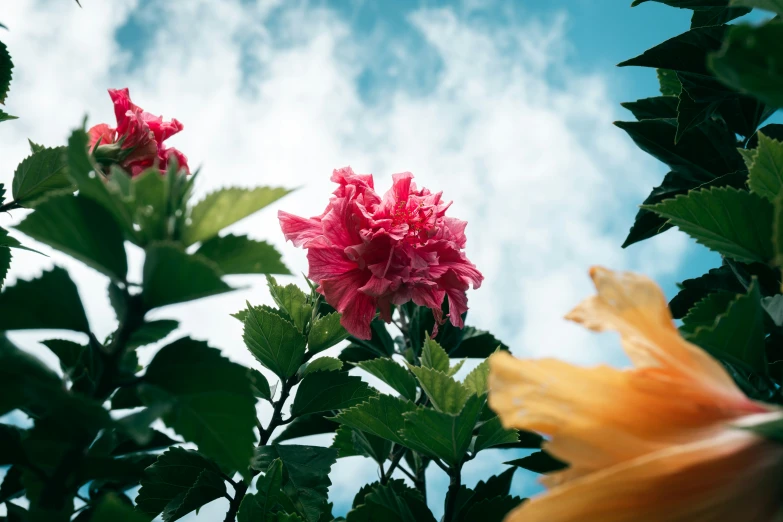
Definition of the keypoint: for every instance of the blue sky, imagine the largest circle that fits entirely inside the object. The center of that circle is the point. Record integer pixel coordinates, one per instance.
(505, 106)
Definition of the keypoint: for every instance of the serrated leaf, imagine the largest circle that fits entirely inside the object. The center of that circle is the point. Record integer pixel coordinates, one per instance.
(751, 61)
(260, 385)
(92, 185)
(445, 394)
(539, 462)
(734, 223)
(4, 116)
(242, 255)
(213, 403)
(293, 301)
(492, 509)
(492, 433)
(476, 343)
(172, 276)
(256, 507)
(274, 342)
(381, 416)
(307, 470)
(434, 356)
(179, 482)
(41, 175)
(326, 332)
(692, 113)
(225, 207)
(696, 289)
(351, 442)
(392, 374)
(776, 6)
(705, 312)
(327, 391)
(476, 381)
(152, 332)
(305, 426)
(668, 83)
(738, 333)
(322, 364)
(6, 68)
(82, 229)
(683, 53)
(765, 176)
(442, 435)
(11, 486)
(29, 304)
(394, 502)
(5, 263)
(717, 16)
(653, 108)
(149, 205)
(701, 156)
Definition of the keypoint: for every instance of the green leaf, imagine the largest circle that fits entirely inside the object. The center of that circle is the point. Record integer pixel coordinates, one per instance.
(653, 108)
(327, 391)
(82, 229)
(734, 223)
(477, 344)
(151, 332)
(112, 509)
(702, 155)
(492, 433)
(774, 308)
(738, 334)
(256, 507)
(392, 374)
(705, 312)
(434, 356)
(394, 502)
(350, 442)
(29, 305)
(668, 82)
(260, 385)
(381, 416)
(274, 342)
(751, 61)
(476, 381)
(41, 175)
(766, 173)
(179, 482)
(149, 204)
(539, 462)
(305, 426)
(776, 6)
(325, 332)
(717, 16)
(93, 185)
(492, 509)
(225, 207)
(11, 486)
(213, 402)
(696, 289)
(307, 470)
(68, 352)
(442, 435)
(692, 113)
(293, 301)
(445, 394)
(322, 364)
(4, 116)
(5, 263)
(242, 255)
(683, 53)
(156, 441)
(6, 67)
(11, 445)
(496, 486)
(172, 276)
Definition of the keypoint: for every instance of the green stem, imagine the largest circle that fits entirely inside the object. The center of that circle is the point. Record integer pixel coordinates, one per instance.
(11, 205)
(455, 480)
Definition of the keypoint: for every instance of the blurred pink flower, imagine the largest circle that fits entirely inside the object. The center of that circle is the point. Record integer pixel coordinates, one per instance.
(139, 134)
(368, 252)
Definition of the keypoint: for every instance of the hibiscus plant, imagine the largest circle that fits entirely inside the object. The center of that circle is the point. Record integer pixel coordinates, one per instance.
(103, 438)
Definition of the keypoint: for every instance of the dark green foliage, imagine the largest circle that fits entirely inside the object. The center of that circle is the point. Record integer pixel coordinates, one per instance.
(41, 175)
(6, 67)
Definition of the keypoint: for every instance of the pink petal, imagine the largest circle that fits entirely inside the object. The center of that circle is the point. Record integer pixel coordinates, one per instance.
(297, 229)
(329, 262)
(357, 309)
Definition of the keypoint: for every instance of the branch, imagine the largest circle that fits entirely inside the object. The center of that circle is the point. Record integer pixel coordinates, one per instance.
(455, 478)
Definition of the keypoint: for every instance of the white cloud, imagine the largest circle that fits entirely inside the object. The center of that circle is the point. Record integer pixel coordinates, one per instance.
(522, 143)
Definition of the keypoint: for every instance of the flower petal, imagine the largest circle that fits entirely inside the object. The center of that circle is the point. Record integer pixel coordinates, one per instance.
(357, 309)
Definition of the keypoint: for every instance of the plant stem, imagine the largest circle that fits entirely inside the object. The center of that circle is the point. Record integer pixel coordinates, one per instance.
(11, 205)
(392, 466)
(265, 434)
(455, 479)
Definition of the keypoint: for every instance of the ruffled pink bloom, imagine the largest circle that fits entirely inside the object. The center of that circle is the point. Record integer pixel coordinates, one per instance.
(369, 252)
(141, 133)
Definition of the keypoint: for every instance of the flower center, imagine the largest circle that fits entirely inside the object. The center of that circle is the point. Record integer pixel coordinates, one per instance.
(417, 218)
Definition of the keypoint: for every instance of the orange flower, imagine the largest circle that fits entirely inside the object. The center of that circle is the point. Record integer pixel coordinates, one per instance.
(654, 443)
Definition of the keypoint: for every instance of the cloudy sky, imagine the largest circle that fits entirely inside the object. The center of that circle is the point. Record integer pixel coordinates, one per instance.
(504, 106)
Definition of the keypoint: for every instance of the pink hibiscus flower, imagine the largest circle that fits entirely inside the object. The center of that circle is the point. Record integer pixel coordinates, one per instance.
(368, 252)
(139, 134)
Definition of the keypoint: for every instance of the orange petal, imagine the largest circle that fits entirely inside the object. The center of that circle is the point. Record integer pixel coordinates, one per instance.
(732, 477)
